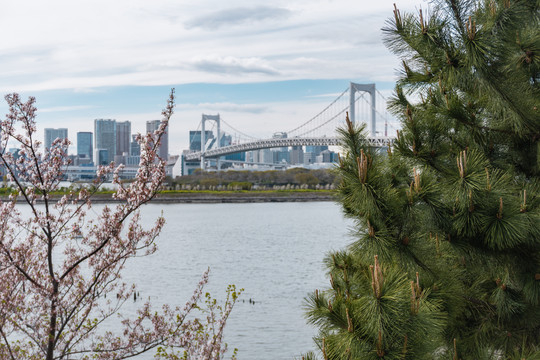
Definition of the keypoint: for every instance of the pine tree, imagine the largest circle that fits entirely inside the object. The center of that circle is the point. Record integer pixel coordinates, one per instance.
(446, 264)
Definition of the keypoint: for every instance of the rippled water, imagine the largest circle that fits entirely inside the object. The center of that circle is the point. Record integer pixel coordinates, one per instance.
(272, 250)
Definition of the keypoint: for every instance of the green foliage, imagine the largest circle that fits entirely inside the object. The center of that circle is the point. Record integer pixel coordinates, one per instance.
(7, 191)
(269, 178)
(240, 185)
(306, 178)
(453, 212)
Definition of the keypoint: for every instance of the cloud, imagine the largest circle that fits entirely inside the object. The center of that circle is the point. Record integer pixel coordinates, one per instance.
(86, 90)
(329, 95)
(233, 65)
(235, 16)
(232, 107)
(163, 42)
(66, 108)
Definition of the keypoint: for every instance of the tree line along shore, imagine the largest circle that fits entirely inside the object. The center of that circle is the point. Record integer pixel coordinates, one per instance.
(292, 185)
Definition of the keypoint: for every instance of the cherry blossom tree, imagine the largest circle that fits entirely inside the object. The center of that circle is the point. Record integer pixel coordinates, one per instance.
(60, 268)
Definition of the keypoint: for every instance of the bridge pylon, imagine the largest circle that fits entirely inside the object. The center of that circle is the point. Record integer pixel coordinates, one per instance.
(369, 88)
(204, 119)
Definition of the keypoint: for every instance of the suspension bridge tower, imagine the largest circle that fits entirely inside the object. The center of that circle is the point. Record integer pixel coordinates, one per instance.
(217, 120)
(369, 88)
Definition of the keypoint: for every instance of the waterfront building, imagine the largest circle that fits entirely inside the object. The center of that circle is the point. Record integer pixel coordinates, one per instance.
(120, 159)
(123, 137)
(105, 139)
(252, 156)
(315, 149)
(226, 140)
(195, 139)
(135, 148)
(83, 161)
(163, 151)
(133, 160)
(53, 134)
(282, 156)
(85, 147)
(266, 156)
(189, 167)
(309, 158)
(296, 155)
(102, 157)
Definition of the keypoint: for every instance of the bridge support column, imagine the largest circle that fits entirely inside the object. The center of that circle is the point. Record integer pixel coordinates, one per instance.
(369, 88)
(206, 118)
(218, 163)
(203, 141)
(352, 109)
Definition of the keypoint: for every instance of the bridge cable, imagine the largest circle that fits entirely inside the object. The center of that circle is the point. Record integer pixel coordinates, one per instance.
(382, 115)
(238, 131)
(326, 108)
(332, 118)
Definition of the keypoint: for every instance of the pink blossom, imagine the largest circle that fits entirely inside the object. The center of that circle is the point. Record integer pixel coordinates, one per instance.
(62, 271)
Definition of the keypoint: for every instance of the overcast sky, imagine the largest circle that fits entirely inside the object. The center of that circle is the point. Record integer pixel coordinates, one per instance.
(248, 60)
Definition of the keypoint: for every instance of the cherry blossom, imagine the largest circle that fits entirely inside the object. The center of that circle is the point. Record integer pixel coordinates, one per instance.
(61, 269)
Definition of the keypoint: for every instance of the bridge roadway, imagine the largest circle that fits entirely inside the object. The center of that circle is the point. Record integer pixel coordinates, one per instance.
(277, 143)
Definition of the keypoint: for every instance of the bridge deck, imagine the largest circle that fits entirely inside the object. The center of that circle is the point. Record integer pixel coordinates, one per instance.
(276, 143)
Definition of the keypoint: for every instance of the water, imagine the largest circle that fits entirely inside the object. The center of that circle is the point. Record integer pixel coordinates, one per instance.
(272, 250)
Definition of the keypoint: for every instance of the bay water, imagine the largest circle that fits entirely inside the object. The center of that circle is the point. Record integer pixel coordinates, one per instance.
(274, 251)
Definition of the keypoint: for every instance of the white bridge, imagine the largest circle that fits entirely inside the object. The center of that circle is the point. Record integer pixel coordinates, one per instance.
(320, 130)
(276, 143)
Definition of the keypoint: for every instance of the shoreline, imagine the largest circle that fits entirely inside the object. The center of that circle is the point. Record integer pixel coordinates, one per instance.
(207, 197)
(243, 197)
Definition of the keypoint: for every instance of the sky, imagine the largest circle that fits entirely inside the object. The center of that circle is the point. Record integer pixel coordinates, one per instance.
(264, 66)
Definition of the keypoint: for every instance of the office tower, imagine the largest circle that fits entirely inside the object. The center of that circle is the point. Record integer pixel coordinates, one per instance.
(135, 148)
(327, 156)
(102, 157)
(226, 140)
(281, 154)
(105, 139)
(309, 158)
(163, 151)
(297, 155)
(85, 148)
(315, 149)
(53, 134)
(123, 137)
(195, 139)
(266, 156)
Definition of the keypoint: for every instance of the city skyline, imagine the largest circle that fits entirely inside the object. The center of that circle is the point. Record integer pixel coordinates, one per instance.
(257, 64)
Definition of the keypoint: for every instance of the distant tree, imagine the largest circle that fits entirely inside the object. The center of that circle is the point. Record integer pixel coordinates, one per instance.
(446, 264)
(306, 178)
(61, 269)
(268, 178)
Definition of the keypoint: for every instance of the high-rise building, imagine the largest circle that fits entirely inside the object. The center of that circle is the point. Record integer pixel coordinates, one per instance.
(309, 158)
(102, 157)
(195, 139)
(315, 149)
(296, 155)
(135, 148)
(281, 154)
(105, 139)
(85, 148)
(163, 151)
(327, 156)
(123, 137)
(53, 134)
(266, 156)
(226, 140)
